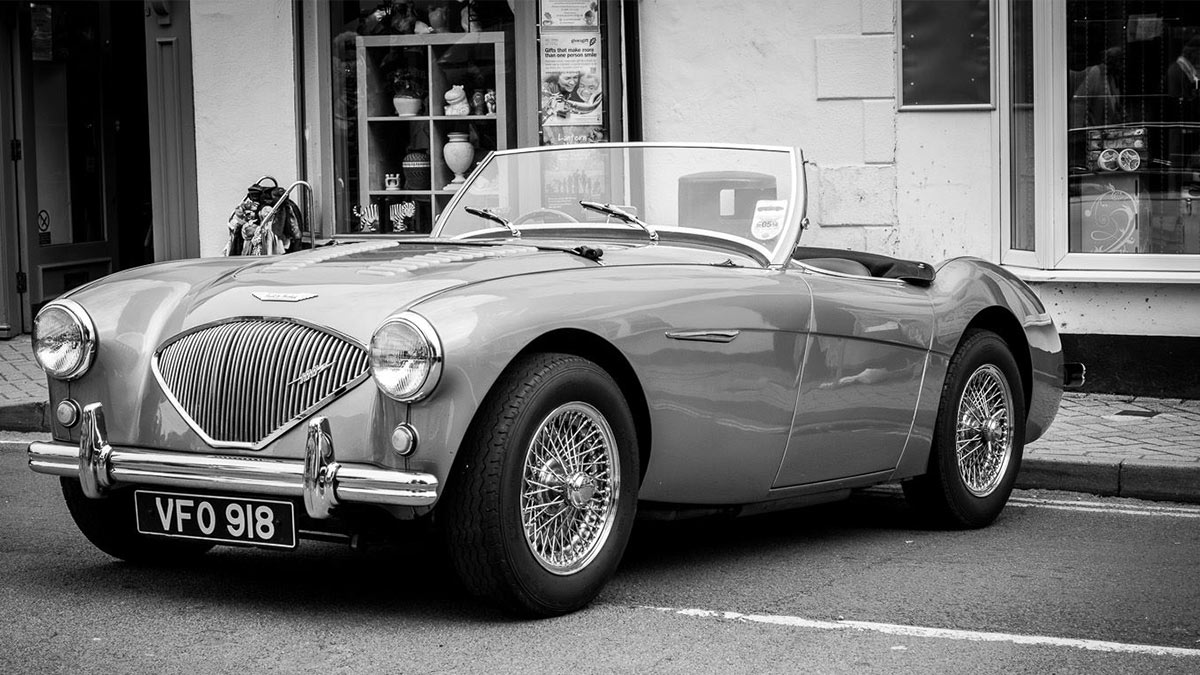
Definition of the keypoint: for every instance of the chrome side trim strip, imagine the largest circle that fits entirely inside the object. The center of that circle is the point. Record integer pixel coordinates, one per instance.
(107, 466)
(704, 335)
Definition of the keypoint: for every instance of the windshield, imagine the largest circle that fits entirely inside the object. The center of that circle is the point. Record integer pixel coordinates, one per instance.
(747, 197)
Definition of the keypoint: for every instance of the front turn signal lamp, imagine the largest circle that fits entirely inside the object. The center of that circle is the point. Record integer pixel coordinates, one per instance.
(64, 340)
(406, 357)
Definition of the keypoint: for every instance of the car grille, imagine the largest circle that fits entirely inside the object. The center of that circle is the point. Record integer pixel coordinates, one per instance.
(242, 383)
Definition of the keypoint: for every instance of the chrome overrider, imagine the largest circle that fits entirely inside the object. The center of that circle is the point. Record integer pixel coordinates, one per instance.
(319, 479)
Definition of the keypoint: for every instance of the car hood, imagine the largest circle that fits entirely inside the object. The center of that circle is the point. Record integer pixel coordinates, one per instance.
(348, 288)
(351, 287)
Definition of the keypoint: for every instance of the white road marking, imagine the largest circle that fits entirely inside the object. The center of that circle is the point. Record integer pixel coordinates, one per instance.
(1103, 507)
(1084, 506)
(927, 632)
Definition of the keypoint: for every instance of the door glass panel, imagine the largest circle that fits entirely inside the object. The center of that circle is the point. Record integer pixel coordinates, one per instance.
(1021, 124)
(1133, 89)
(68, 126)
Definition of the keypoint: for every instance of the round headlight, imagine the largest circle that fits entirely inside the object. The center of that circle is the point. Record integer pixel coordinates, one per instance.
(406, 357)
(64, 340)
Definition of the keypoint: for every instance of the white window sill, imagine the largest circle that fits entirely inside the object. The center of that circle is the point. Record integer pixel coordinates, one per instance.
(1104, 276)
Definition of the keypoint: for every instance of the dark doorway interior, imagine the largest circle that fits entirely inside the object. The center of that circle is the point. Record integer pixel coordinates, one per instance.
(126, 106)
(86, 123)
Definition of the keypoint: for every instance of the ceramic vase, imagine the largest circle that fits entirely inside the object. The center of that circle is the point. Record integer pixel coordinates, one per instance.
(459, 154)
(416, 170)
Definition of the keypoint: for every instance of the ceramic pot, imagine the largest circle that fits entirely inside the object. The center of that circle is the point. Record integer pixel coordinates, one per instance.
(456, 101)
(416, 170)
(407, 106)
(459, 155)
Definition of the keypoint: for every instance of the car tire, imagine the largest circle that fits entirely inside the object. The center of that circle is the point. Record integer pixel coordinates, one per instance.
(110, 524)
(978, 439)
(536, 530)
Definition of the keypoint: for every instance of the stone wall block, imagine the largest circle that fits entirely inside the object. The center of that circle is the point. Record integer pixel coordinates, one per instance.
(856, 66)
(878, 16)
(858, 195)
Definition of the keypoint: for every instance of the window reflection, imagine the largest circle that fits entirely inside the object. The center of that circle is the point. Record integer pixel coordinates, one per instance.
(1134, 126)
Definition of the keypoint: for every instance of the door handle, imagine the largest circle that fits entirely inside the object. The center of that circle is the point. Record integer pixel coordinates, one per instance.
(704, 335)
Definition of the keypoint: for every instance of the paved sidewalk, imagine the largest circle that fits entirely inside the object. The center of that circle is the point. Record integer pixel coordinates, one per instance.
(1127, 446)
(1147, 448)
(22, 388)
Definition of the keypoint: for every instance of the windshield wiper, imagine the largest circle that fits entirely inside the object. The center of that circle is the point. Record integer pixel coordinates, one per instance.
(488, 214)
(617, 212)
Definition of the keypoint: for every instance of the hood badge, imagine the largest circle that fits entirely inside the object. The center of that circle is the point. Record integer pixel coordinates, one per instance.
(311, 373)
(266, 296)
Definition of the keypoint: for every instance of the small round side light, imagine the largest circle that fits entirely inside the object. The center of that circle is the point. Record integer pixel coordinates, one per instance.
(404, 440)
(67, 413)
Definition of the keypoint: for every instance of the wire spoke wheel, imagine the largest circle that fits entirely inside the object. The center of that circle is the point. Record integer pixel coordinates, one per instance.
(570, 487)
(978, 438)
(540, 508)
(983, 436)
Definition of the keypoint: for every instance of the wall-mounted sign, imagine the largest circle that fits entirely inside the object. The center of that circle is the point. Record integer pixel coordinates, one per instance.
(43, 223)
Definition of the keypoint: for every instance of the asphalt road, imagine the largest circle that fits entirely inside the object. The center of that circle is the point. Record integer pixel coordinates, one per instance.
(851, 587)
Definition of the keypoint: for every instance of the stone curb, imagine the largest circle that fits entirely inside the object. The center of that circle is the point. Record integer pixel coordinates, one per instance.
(32, 416)
(19, 442)
(1137, 479)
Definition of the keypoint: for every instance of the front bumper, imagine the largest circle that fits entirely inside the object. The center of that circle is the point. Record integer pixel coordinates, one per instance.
(319, 479)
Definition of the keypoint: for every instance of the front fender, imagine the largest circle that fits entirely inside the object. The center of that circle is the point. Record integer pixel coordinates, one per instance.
(707, 401)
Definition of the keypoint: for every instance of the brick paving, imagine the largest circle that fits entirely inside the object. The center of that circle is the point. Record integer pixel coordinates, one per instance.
(1099, 443)
(1112, 427)
(21, 381)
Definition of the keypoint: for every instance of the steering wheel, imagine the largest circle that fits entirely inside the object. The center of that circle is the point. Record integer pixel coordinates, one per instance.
(530, 215)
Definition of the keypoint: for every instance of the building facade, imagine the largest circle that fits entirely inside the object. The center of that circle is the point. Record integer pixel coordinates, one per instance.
(1059, 138)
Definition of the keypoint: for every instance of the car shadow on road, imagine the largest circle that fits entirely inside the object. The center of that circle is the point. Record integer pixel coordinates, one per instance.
(413, 576)
(862, 517)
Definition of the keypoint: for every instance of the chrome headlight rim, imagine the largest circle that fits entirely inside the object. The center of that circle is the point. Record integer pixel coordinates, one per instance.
(425, 329)
(87, 332)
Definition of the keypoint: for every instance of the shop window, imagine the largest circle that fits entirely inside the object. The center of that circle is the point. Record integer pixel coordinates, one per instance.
(1133, 127)
(945, 54)
(422, 90)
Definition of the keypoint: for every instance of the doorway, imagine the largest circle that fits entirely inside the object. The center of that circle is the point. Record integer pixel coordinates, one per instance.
(80, 151)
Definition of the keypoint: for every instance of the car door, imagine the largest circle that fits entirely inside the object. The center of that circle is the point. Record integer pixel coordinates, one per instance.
(867, 345)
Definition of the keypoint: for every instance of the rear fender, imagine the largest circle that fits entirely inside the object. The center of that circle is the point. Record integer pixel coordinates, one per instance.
(972, 293)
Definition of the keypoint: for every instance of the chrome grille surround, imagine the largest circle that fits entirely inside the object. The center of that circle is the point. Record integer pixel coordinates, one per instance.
(243, 382)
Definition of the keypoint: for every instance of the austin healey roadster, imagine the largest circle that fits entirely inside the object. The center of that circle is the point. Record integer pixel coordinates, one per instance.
(589, 334)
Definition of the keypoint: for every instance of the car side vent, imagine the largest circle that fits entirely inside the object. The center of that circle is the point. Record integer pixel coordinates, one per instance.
(243, 383)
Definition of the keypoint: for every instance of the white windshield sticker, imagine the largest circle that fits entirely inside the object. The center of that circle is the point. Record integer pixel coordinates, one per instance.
(768, 218)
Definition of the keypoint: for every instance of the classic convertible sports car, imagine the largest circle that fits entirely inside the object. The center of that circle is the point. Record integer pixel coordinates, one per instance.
(591, 333)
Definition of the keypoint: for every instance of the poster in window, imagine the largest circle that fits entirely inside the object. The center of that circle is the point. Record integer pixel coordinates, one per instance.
(570, 13)
(572, 97)
(573, 176)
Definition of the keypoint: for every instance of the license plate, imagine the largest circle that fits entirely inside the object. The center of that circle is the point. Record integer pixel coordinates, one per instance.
(231, 520)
